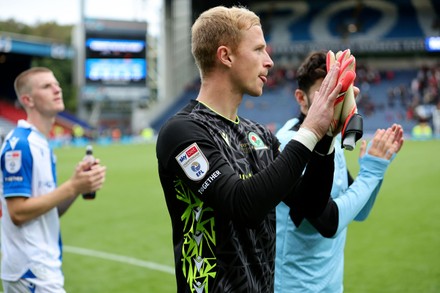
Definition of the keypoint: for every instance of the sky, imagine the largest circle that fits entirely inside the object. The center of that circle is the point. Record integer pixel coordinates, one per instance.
(69, 11)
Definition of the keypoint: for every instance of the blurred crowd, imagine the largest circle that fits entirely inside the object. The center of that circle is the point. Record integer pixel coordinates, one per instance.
(415, 99)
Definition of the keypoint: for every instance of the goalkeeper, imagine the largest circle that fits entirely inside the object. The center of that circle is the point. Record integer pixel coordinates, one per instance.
(310, 251)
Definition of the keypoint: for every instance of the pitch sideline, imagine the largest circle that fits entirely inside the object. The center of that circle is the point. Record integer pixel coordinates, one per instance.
(119, 258)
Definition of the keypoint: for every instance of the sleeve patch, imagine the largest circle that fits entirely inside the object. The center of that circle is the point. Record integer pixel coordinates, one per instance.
(193, 162)
(13, 161)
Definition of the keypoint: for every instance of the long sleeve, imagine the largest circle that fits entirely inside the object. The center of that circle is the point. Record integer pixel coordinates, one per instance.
(357, 201)
(351, 200)
(245, 201)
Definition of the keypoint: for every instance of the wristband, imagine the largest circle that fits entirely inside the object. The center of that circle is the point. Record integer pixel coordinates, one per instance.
(306, 137)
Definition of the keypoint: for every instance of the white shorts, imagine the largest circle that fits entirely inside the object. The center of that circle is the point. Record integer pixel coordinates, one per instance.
(32, 285)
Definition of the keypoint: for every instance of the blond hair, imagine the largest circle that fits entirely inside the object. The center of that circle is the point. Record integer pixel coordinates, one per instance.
(22, 84)
(216, 27)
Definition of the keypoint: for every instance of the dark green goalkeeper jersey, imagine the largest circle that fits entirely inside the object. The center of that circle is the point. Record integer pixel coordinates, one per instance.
(222, 180)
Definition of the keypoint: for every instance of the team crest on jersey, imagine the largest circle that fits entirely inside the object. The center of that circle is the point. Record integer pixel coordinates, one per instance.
(13, 161)
(193, 162)
(256, 141)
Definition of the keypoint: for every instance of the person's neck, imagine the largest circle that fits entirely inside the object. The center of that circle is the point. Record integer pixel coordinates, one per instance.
(43, 124)
(220, 99)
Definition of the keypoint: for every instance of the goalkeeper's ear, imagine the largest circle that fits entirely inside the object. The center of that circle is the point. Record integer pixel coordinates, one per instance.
(302, 100)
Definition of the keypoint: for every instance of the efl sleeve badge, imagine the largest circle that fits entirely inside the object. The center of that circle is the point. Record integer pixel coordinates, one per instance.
(193, 162)
(13, 161)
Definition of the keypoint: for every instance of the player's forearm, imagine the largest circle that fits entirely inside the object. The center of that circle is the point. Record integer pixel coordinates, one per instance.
(22, 209)
(353, 200)
(365, 211)
(65, 205)
(248, 201)
(327, 223)
(363, 190)
(311, 194)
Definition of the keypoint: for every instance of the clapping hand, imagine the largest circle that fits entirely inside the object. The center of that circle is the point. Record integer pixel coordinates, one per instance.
(385, 143)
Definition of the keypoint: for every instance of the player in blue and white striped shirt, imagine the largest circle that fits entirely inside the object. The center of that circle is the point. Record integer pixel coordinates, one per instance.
(31, 200)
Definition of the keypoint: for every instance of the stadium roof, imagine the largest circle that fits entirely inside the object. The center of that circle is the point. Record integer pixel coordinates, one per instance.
(34, 46)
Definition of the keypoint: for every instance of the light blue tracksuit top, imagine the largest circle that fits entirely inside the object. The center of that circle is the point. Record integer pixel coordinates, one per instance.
(305, 260)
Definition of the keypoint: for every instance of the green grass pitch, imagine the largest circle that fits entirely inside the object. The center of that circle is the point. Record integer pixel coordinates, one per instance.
(121, 241)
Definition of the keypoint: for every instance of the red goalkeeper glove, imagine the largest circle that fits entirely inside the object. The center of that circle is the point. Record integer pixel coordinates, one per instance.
(345, 104)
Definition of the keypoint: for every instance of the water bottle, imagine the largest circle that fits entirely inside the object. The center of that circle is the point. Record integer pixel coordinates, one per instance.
(89, 157)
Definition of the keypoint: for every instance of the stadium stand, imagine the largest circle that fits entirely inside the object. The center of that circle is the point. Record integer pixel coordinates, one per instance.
(277, 104)
(5, 127)
(376, 31)
(180, 102)
(10, 113)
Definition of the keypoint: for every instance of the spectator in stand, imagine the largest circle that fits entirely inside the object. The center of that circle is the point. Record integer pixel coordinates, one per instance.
(422, 130)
